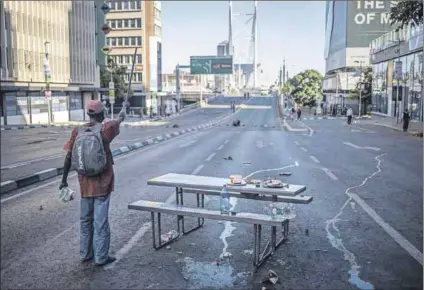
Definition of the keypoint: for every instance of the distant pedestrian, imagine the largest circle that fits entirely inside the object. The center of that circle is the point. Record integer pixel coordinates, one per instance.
(405, 120)
(299, 113)
(349, 114)
(88, 151)
(292, 112)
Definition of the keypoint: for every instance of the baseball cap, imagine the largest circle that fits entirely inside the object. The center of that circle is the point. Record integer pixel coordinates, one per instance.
(95, 107)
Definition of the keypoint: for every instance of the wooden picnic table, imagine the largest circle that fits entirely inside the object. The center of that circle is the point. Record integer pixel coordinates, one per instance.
(205, 185)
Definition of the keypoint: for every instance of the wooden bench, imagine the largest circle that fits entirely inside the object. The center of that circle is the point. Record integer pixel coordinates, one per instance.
(249, 218)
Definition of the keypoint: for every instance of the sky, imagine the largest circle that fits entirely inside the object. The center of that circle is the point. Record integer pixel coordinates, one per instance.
(291, 30)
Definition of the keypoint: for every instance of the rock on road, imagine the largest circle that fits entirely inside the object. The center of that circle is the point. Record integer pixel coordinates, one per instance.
(334, 243)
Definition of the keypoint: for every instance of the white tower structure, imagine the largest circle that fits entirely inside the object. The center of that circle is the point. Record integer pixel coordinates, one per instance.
(243, 43)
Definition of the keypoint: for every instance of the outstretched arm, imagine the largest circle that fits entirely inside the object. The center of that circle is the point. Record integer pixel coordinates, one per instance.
(122, 114)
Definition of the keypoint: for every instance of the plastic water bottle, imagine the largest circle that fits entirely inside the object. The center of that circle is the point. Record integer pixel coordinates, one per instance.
(225, 200)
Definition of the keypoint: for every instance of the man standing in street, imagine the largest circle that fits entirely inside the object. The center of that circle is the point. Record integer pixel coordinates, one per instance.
(349, 114)
(95, 188)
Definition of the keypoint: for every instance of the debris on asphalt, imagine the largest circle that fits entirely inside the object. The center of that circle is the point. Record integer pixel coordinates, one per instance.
(228, 158)
(247, 162)
(263, 288)
(179, 252)
(175, 126)
(236, 123)
(168, 247)
(226, 255)
(307, 232)
(272, 278)
(285, 173)
(169, 236)
(41, 207)
(192, 244)
(186, 278)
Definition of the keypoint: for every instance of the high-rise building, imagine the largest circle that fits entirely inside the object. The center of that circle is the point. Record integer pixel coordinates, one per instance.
(350, 28)
(137, 24)
(39, 34)
(221, 81)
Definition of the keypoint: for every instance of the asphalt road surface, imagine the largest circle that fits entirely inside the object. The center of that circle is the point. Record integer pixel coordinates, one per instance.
(363, 229)
(24, 152)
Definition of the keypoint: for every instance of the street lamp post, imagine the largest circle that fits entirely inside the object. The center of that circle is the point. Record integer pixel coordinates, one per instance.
(48, 79)
(360, 86)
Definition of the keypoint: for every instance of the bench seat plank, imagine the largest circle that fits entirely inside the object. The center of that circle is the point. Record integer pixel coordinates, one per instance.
(249, 218)
(216, 183)
(299, 199)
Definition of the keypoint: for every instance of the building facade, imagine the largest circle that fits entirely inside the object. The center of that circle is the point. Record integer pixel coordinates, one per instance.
(137, 25)
(350, 27)
(391, 95)
(64, 33)
(221, 81)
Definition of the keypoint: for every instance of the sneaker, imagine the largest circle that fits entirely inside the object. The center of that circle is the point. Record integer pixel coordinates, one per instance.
(109, 260)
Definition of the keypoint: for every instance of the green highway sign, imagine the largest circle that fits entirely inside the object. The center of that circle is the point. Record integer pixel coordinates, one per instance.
(211, 65)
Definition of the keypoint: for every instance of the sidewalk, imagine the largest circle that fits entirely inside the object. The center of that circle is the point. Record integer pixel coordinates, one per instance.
(388, 122)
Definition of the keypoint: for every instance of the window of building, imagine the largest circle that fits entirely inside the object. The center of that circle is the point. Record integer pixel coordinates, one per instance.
(132, 23)
(16, 104)
(112, 24)
(139, 59)
(39, 104)
(133, 5)
(125, 23)
(139, 22)
(111, 5)
(118, 5)
(158, 30)
(139, 4)
(130, 59)
(139, 77)
(157, 14)
(59, 102)
(118, 23)
(75, 101)
(138, 40)
(126, 59)
(126, 41)
(113, 41)
(120, 41)
(133, 41)
(120, 59)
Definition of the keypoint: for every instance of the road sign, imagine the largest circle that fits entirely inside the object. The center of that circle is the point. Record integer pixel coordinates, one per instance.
(106, 29)
(112, 92)
(398, 70)
(211, 65)
(105, 49)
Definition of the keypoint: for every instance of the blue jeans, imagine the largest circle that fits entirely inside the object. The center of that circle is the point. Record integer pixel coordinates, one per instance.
(95, 231)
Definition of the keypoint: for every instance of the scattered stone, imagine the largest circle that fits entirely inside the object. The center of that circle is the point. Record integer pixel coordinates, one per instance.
(159, 267)
(176, 126)
(226, 255)
(186, 278)
(272, 278)
(168, 247)
(307, 232)
(41, 207)
(179, 252)
(263, 288)
(228, 158)
(193, 244)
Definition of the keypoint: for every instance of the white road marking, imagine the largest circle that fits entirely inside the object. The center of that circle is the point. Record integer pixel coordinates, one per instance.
(220, 147)
(198, 168)
(329, 173)
(297, 143)
(311, 131)
(359, 147)
(226, 141)
(303, 149)
(314, 159)
(337, 242)
(404, 243)
(210, 157)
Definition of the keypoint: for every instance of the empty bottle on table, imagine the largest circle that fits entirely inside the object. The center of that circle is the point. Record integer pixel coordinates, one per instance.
(225, 200)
